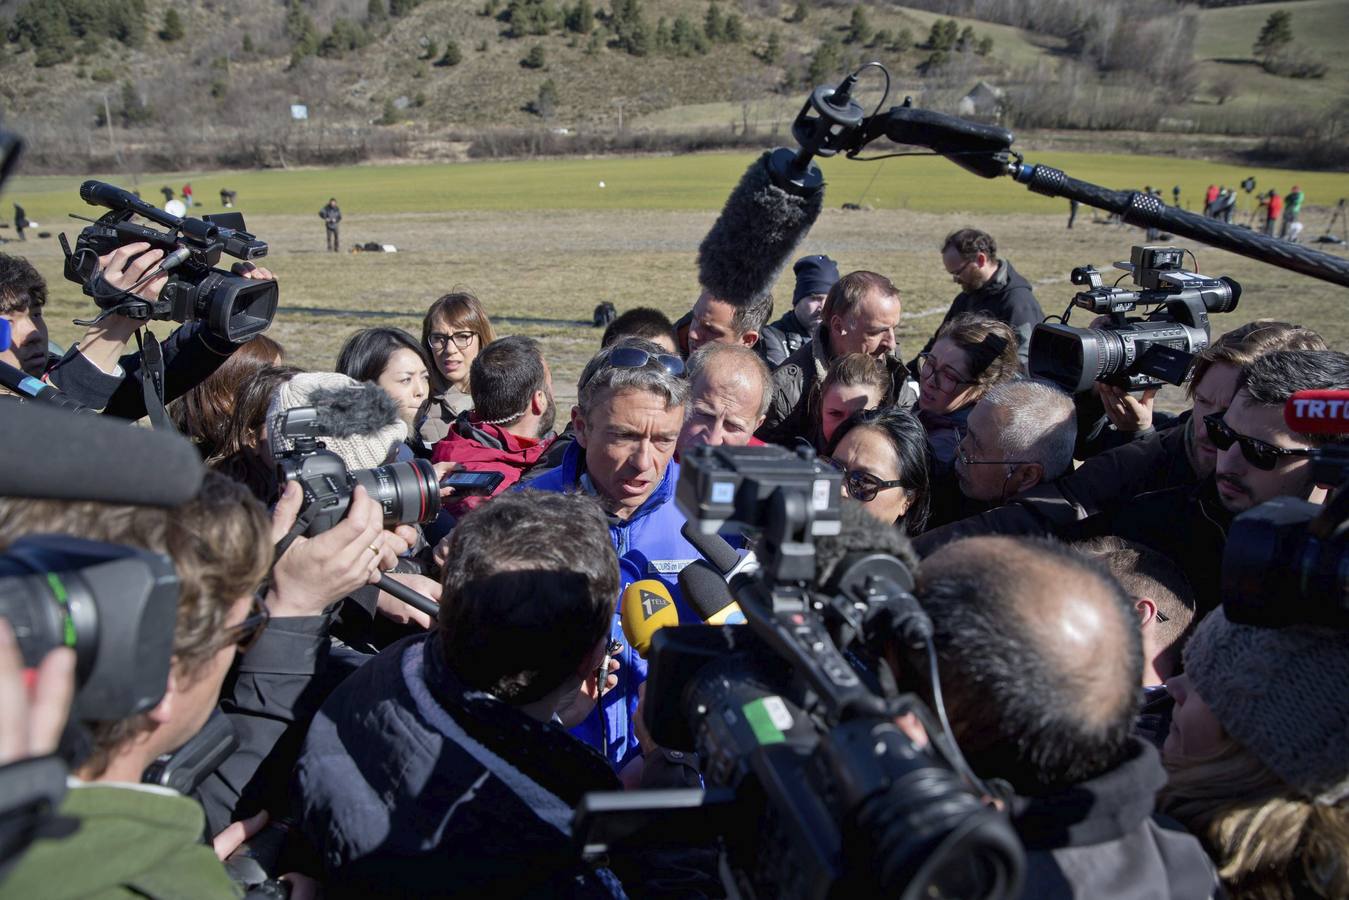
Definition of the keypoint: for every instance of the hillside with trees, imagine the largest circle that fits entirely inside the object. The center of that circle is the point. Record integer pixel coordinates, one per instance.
(131, 84)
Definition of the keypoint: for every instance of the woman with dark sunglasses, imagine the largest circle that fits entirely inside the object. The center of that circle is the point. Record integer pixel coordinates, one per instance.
(883, 454)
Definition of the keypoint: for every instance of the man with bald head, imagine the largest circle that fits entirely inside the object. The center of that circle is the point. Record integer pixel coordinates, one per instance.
(1039, 655)
(728, 396)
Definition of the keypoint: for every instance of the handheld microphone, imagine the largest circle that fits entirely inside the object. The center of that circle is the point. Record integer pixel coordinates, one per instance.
(755, 236)
(646, 607)
(28, 387)
(1318, 412)
(706, 590)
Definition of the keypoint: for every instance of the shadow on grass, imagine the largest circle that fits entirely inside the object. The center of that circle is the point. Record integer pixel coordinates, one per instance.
(329, 312)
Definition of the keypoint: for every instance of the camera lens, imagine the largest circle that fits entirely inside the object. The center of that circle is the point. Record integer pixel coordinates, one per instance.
(407, 491)
(233, 307)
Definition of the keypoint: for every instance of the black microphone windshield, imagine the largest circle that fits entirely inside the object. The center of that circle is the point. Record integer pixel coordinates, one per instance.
(713, 548)
(704, 589)
(53, 454)
(754, 237)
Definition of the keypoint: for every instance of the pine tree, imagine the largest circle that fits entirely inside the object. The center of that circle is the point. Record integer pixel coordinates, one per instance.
(772, 51)
(713, 23)
(545, 105)
(1275, 36)
(248, 43)
(733, 29)
(535, 59)
(581, 17)
(859, 29)
(173, 26)
(376, 11)
(799, 14)
(825, 64)
(451, 56)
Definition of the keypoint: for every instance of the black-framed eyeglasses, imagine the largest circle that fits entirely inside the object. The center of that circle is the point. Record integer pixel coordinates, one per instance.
(1258, 453)
(246, 633)
(439, 340)
(862, 486)
(928, 369)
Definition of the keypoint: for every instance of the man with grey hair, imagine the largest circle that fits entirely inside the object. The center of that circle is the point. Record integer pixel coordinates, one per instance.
(728, 397)
(1020, 434)
(629, 410)
(716, 321)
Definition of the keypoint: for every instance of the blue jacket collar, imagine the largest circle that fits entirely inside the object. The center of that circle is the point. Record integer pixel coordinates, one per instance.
(573, 463)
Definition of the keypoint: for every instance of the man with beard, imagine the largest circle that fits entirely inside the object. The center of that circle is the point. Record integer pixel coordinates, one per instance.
(511, 423)
(1258, 458)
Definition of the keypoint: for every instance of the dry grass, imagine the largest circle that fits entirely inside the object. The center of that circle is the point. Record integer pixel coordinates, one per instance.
(542, 273)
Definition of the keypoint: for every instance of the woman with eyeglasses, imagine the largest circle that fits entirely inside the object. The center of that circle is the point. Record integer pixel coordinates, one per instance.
(455, 330)
(971, 353)
(883, 454)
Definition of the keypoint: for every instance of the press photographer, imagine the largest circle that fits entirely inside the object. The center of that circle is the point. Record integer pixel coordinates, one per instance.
(136, 274)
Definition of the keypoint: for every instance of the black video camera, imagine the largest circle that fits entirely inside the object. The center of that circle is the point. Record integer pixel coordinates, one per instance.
(1131, 352)
(233, 307)
(407, 491)
(115, 606)
(1286, 561)
(812, 789)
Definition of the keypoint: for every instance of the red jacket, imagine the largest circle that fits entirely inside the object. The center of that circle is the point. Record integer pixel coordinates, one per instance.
(1275, 206)
(487, 448)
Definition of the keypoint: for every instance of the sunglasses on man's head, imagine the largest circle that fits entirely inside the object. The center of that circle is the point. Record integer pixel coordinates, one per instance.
(1257, 452)
(635, 358)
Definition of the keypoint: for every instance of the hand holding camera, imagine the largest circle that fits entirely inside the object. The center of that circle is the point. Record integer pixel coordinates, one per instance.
(314, 572)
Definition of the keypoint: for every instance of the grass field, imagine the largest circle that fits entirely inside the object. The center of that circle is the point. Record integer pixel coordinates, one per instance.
(541, 243)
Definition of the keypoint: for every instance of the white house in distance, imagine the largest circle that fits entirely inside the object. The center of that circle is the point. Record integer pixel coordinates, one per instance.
(984, 101)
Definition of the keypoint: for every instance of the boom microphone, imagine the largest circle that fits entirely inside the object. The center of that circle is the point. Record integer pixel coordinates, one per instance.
(755, 235)
(646, 607)
(51, 454)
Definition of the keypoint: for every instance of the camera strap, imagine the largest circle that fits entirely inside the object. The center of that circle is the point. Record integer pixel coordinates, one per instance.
(152, 380)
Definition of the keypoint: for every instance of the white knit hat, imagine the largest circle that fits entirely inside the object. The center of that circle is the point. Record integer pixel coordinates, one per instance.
(362, 418)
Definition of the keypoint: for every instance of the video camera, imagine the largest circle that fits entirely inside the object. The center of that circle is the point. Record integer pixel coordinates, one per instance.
(407, 491)
(115, 606)
(233, 307)
(1286, 561)
(812, 788)
(1131, 352)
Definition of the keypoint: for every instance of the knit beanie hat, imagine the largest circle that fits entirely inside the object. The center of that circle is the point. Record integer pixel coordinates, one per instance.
(361, 420)
(1281, 693)
(814, 275)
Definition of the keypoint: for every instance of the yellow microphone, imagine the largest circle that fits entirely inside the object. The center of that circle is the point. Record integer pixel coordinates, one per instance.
(646, 608)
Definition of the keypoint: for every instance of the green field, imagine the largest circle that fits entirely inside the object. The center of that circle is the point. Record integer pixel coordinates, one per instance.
(541, 243)
(690, 182)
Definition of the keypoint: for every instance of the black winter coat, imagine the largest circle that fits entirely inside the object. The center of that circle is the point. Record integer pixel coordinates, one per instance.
(1007, 297)
(1100, 839)
(782, 338)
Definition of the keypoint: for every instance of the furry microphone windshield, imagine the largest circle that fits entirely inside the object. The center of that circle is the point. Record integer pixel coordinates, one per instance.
(754, 237)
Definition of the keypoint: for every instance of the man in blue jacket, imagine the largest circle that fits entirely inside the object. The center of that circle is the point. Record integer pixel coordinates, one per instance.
(630, 408)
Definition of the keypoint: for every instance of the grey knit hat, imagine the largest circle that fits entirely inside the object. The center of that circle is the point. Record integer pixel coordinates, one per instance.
(364, 418)
(1283, 694)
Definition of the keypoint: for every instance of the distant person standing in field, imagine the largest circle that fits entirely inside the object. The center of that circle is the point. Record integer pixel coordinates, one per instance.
(167, 192)
(1072, 212)
(20, 221)
(331, 215)
(227, 197)
(187, 195)
(1209, 199)
(1273, 211)
(1291, 210)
